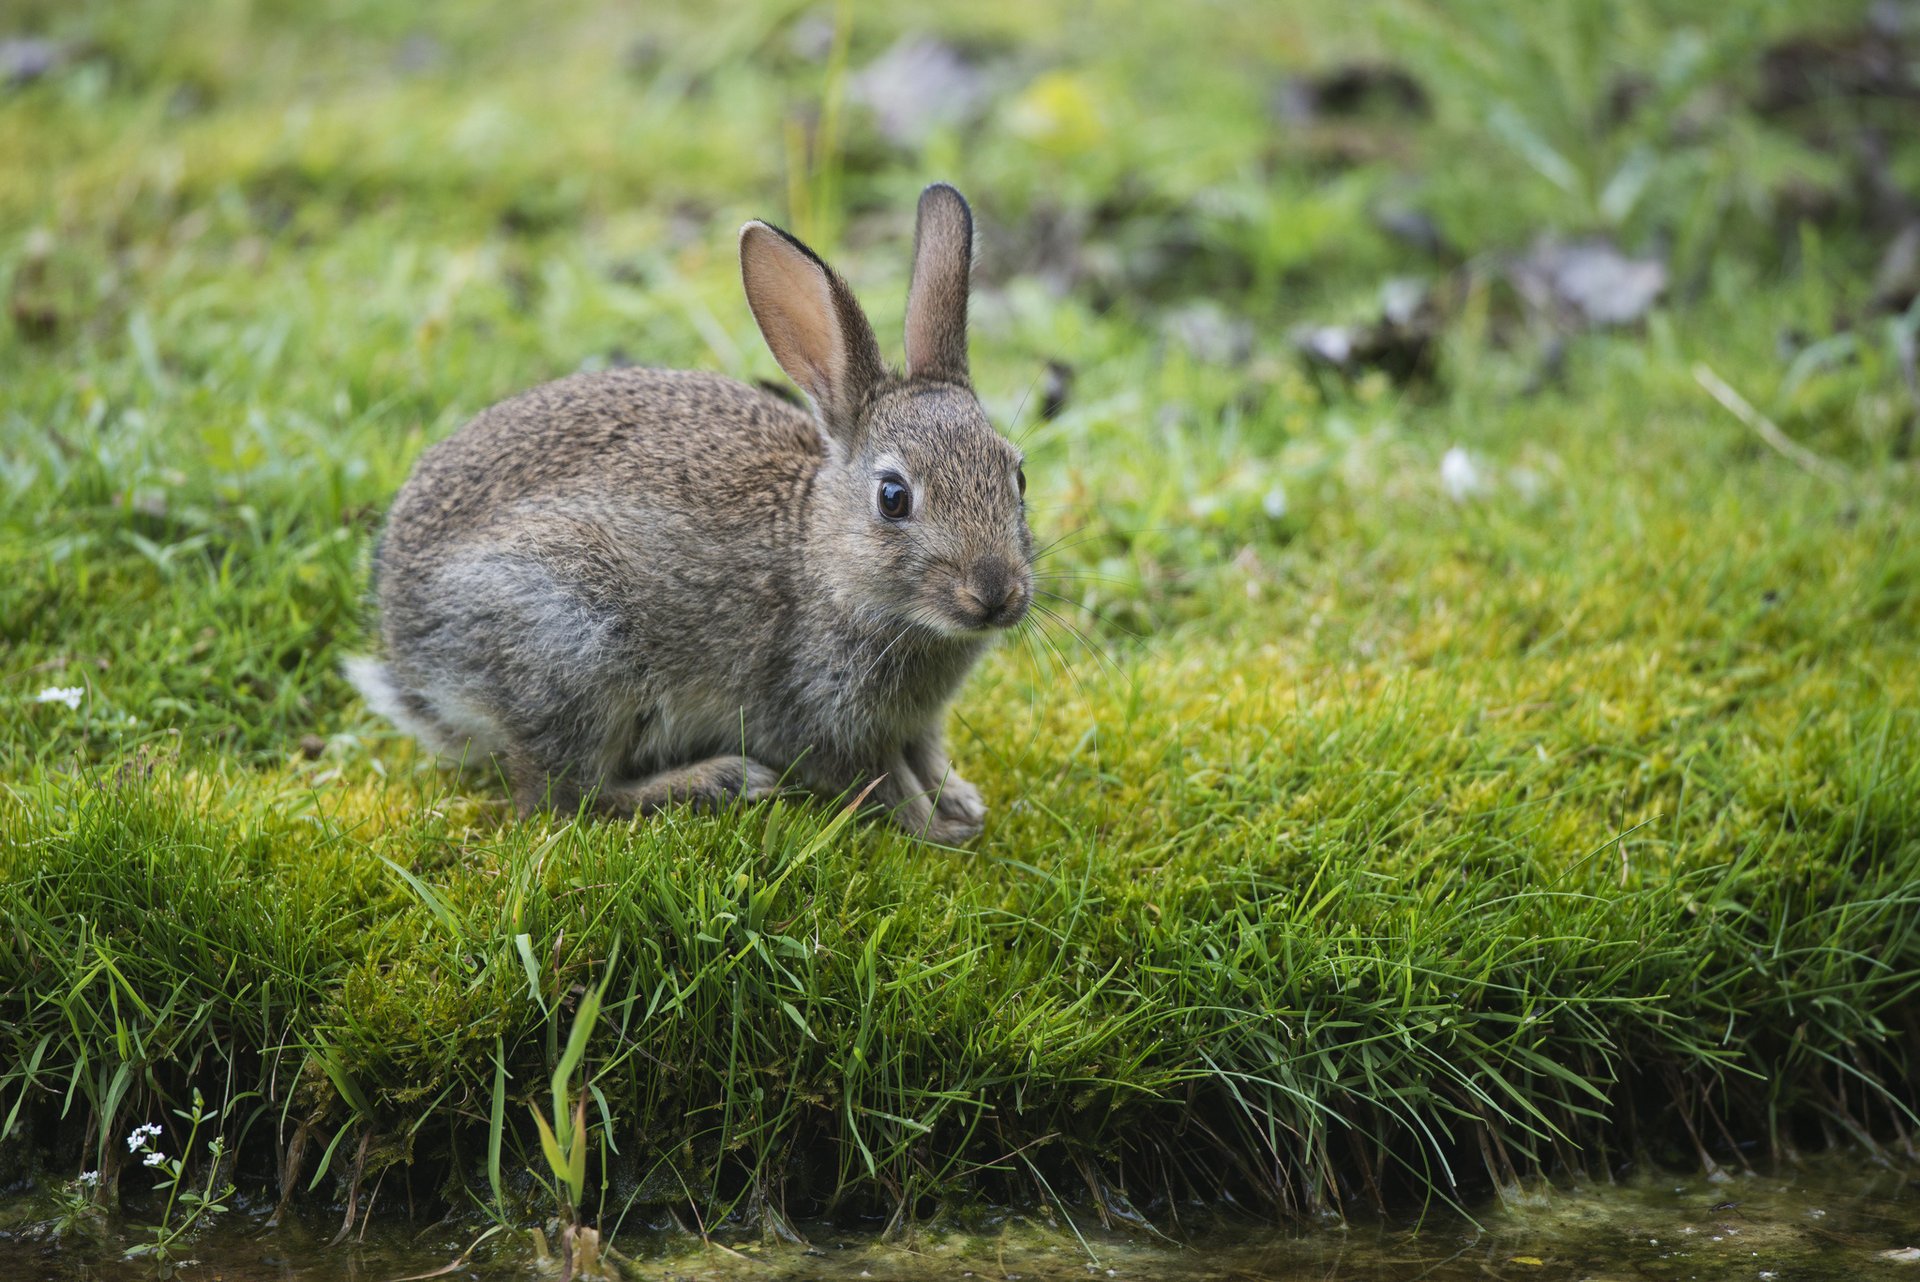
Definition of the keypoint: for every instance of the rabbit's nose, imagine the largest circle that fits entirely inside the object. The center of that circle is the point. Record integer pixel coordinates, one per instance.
(996, 597)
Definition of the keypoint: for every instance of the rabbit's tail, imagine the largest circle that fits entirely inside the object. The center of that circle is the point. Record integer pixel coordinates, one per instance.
(375, 684)
(374, 680)
(440, 719)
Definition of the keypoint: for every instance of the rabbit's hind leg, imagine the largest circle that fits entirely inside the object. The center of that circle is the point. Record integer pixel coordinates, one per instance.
(704, 785)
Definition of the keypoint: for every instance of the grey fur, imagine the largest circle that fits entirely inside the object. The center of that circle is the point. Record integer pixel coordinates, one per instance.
(655, 586)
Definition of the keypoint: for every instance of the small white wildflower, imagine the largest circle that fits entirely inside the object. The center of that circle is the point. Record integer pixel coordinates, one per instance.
(1459, 475)
(69, 695)
(155, 1158)
(141, 1134)
(88, 1179)
(1274, 504)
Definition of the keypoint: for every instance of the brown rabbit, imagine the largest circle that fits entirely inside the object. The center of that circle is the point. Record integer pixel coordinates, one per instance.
(654, 586)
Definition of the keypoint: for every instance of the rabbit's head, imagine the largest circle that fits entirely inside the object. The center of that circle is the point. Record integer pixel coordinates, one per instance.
(922, 500)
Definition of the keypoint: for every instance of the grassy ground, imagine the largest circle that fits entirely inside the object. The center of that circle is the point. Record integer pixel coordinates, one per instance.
(1354, 834)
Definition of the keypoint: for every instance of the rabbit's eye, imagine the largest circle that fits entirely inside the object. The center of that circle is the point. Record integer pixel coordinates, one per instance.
(896, 500)
(1020, 479)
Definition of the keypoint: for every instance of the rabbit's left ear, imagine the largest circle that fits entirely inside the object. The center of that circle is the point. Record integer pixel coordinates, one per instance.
(812, 325)
(937, 300)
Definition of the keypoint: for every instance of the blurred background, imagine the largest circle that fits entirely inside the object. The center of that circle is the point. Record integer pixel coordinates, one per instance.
(1225, 173)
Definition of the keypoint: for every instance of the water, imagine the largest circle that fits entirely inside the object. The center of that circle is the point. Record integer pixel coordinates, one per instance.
(1826, 1219)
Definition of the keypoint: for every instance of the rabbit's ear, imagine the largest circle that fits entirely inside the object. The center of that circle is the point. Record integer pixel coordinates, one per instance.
(937, 300)
(811, 322)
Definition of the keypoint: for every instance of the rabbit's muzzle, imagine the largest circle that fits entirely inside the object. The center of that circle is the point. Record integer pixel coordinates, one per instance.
(993, 596)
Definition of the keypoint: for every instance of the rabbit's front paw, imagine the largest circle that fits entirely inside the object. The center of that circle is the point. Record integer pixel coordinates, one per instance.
(954, 830)
(959, 801)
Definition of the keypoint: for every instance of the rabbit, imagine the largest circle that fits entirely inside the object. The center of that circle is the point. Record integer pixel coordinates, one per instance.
(642, 587)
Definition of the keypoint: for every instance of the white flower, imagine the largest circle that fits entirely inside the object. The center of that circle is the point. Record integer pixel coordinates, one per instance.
(88, 1179)
(1459, 475)
(69, 695)
(137, 1138)
(1275, 502)
(156, 1157)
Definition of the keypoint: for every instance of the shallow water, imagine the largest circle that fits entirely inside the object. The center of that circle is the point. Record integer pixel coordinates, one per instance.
(1825, 1219)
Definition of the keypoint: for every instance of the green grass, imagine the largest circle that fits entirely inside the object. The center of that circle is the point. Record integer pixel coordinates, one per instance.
(1368, 845)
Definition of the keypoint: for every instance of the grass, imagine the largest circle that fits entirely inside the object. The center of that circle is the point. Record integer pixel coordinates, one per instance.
(1351, 842)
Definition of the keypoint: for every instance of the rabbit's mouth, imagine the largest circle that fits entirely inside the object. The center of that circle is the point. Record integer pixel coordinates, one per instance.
(989, 603)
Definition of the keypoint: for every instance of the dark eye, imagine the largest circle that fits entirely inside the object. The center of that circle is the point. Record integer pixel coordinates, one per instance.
(896, 500)
(1020, 479)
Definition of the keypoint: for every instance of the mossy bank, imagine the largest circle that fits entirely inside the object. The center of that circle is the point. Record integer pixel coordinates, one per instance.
(1432, 769)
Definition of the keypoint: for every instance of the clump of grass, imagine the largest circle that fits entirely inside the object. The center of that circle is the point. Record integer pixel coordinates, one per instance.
(1351, 843)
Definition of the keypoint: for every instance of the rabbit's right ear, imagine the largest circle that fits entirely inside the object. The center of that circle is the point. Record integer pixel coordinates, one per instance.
(811, 322)
(937, 300)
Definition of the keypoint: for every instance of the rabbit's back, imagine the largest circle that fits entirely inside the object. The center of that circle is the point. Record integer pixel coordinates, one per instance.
(665, 443)
(609, 548)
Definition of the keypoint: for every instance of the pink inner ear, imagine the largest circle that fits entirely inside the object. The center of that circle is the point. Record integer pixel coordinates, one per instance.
(793, 304)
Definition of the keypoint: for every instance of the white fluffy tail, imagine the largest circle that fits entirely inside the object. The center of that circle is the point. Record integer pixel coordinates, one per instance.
(465, 730)
(370, 678)
(375, 684)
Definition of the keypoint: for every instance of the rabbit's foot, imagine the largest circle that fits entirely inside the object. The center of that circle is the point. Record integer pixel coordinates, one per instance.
(943, 824)
(705, 785)
(959, 801)
(954, 799)
(951, 830)
(910, 804)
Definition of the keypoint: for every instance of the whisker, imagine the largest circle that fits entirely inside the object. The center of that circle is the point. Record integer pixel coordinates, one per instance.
(1094, 647)
(875, 665)
(1021, 408)
(1087, 530)
(1033, 691)
(1085, 576)
(1091, 611)
(1094, 532)
(1065, 666)
(1043, 668)
(1028, 631)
